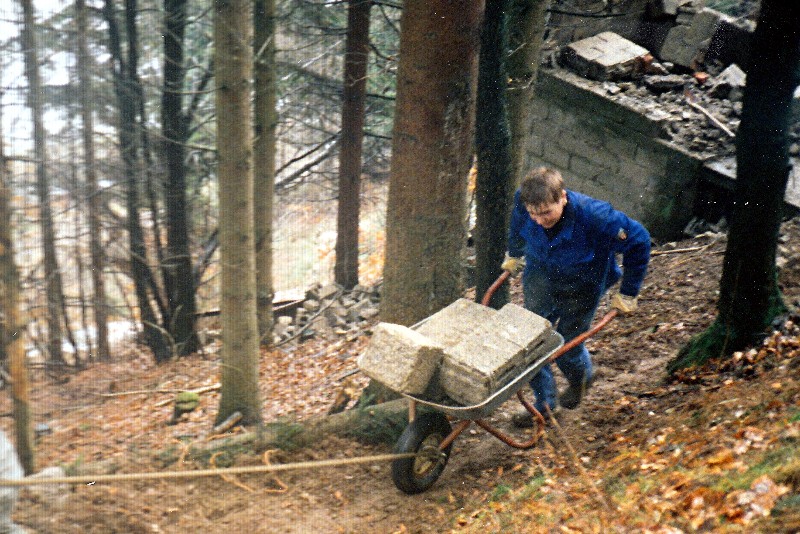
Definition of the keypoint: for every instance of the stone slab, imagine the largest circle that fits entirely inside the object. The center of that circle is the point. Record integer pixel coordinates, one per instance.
(523, 327)
(400, 358)
(455, 321)
(688, 43)
(492, 355)
(605, 56)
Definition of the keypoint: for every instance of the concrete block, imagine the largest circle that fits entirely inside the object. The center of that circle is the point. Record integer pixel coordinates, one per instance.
(555, 156)
(400, 358)
(687, 44)
(605, 56)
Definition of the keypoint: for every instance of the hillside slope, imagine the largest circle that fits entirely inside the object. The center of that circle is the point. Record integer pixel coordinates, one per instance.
(716, 450)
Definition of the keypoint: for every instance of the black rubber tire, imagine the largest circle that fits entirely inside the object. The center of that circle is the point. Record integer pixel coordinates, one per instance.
(424, 434)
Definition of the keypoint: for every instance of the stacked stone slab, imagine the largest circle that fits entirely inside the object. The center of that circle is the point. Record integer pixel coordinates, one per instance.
(400, 358)
(476, 349)
(492, 354)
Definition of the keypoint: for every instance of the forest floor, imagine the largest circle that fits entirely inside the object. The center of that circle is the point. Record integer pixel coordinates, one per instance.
(715, 450)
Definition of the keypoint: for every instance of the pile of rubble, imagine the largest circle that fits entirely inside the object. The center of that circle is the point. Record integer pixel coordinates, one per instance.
(691, 78)
(326, 310)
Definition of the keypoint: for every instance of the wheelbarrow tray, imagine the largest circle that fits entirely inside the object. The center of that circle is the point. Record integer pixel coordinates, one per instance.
(487, 406)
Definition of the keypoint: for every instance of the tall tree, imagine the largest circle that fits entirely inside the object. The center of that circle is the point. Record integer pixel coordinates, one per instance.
(431, 153)
(265, 119)
(351, 140)
(494, 183)
(128, 94)
(12, 346)
(177, 268)
(526, 26)
(92, 192)
(749, 295)
(233, 61)
(54, 292)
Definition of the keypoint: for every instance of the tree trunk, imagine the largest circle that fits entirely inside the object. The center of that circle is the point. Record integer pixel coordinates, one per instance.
(749, 296)
(233, 61)
(494, 183)
(94, 201)
(177, 268)
(525, 32)
(12, 326)
(126, 94)
(350, 142)
(53, 289)
(431, 153)
(266, 121)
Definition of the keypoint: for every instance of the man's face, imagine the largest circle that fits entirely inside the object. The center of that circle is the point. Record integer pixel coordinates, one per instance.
(547, 215)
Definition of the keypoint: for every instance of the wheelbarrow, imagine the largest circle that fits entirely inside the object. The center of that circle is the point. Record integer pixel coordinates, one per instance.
(429, 436)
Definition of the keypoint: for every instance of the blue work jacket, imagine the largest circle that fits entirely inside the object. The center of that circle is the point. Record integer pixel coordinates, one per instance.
(581, 257)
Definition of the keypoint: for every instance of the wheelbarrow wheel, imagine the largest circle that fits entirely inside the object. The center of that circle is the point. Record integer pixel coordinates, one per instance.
(422, 436)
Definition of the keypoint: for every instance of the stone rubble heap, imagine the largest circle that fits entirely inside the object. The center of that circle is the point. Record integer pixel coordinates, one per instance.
(699, 58)
(326, 310)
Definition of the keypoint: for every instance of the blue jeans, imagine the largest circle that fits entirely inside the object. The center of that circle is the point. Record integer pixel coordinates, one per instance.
(574, 309)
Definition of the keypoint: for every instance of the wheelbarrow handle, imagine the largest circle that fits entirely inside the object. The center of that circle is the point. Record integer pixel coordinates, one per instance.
(577, 340)
(487, 297)
(571, 344)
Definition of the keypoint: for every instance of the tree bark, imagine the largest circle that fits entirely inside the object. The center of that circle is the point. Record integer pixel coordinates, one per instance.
(265, 122)
(494, 183)
(92, 192)
(233, 60)
(351, 141)
(54, 292)
(527, 23)
(750, 299)
(177, 268)
(12, 327)
(431, 153)
(126, 93)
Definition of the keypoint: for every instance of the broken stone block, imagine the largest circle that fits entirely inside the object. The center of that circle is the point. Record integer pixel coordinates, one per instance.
(663, 84)
(686, 44)
(605, 56)
(400, 358)
(455, 321)
(732, 78)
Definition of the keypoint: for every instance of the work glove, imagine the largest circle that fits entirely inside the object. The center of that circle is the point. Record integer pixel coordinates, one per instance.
(513, 265)
(624, 303)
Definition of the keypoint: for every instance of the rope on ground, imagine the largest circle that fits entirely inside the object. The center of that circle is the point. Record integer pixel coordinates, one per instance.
(127, 477)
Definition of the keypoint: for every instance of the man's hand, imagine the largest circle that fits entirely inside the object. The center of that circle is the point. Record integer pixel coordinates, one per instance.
(624, 303)
(513, 265)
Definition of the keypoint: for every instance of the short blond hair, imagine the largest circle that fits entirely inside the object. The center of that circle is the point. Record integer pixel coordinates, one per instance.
(541, 186)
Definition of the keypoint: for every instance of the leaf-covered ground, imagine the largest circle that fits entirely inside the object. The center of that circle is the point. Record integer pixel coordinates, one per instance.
(716, 450)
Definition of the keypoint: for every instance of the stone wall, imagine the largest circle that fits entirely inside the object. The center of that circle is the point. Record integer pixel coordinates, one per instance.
(612, 152)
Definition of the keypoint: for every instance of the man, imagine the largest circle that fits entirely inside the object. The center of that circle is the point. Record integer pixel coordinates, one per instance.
(567, 244)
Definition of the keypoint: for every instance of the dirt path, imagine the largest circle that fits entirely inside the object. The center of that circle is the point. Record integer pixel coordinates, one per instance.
(630, 356)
